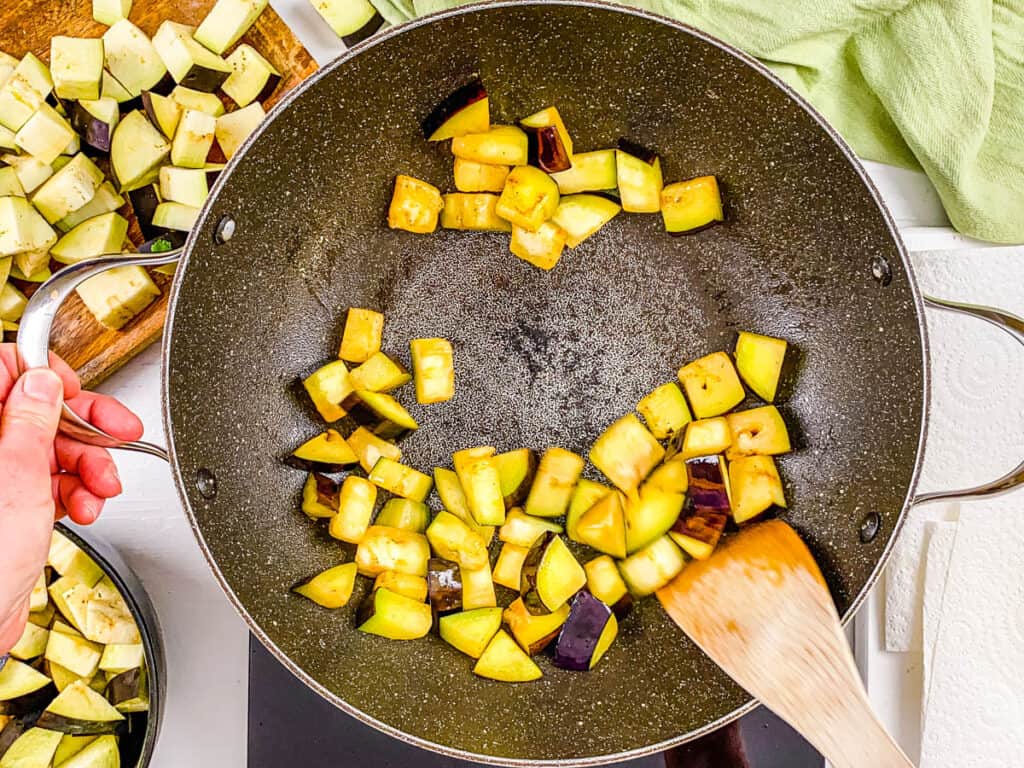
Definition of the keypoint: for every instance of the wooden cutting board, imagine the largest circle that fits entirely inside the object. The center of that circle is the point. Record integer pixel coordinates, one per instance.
(27, 25)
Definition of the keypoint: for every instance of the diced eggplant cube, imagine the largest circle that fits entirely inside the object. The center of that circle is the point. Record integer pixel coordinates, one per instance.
(705, 437)
(470, 631)
(586, 635)
(638, 174)
(24, 235)
(550, 118)
(626, 453)
(532, 632)
(757, 431)
(580, 216)
(235, 127)
(414, 587)
(98, 236)
(524, 530)
(688, 206)
(188, 98)
(434, 370)
(670, 477)
(542, 248)
(128, 692)
(478, 177)
(396, 617)
(712, 385)
(68, 189)
(379, 373)
(76, 65)
(352, 20)
(482, 484)
(554, 483)
(106, 200)
(118, 295)
(44, 135)
(382, 414)
(454, 500)
(132, 59)
(96, 122)
(163, 112)
(406, 514)
(110, 12)
(364, 330)
(10, 186)
(478, 588)
(355, 510)
(464, 111)
(508, 568)
(187, 186)
(79, 710)
(586, 494)
(392, 549)
(652, 567)
(759, 361)
(444, 585)
(31, 644)
(756, 487)
(603, 526)
(31, 172)
(252, 78)
(530, 198)
(550, 575)
(136, 152)
(227, 21)
(12, 303)
(516, 470)
(505, 661)
(605, 582)
(546, 150)
(327, 452)
(320, 497)
(193, 139)
(501, 145)
(709, 484)
(328, 388)
(415, 205)
(400, 480)
(697, 531)
(189, 63)
(475, 212)
(650, 516)
(370, 448)
(590, 172)
(453, 539)
(175, 216)
(665, 411)
(24, 92)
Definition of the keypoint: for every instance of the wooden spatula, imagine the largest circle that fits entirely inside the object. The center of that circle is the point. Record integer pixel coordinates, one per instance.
(760, 609)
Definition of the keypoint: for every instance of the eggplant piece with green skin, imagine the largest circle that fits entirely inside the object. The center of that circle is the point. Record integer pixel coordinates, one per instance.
(545, 149)
(393, 616)
(550, 575)
(516, 470)
(226, 22)
(638, 175)
(95, 121)
(444, 585)
(33, 748)
(392, 549)
(759, 361)
(505, 661)
(78, 710)
(252, 78)
(355, 510)
(454, 540)
(379, 373)
(129, 691)
(586, 635)
(331, 588)
(691, 206)
(523, 530)
(370, 448)
(465, 110)
(103, 752)
(580, 216)
(590, 172)
(650, 516)
(328, 453)
(320, 496)
(406, 514)
(132, 60)
(470, 631)
(626, 453)
(383, 415)
(605, 582)
(400, 479)
(406, 584)
(533, 633)
(553, 485)
(189, 63)
(712, 385)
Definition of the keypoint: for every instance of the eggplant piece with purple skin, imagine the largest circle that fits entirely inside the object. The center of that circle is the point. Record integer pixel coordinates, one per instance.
(586, 634)
(703, 520)
(546, 149)
(13, 731)
(464, 110)
(364, 32)
(145, 201)
(381, 414)
(95, 122)
(29, 704)
(444, 585)
(550, 575)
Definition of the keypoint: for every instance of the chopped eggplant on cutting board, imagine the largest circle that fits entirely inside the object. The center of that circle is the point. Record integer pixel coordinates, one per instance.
(66, 694)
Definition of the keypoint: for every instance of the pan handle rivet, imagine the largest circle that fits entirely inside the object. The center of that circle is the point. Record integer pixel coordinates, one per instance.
(869, 527)
(206, 483)
(225, 230)
(881, 271)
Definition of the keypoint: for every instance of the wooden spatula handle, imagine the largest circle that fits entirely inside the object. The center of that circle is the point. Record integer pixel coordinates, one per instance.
(761, 610)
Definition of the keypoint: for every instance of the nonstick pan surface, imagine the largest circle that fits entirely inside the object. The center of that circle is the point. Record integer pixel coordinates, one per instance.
(808, 254)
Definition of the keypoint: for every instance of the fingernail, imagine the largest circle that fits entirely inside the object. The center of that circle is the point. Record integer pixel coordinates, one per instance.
(42, 385)
(112, 475)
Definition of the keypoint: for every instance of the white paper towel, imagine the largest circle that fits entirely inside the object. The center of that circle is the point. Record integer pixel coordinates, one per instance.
(976, 429)
(975, 716)
(941, 537)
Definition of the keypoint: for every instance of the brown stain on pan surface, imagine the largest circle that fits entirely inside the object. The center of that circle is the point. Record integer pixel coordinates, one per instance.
(542, 358)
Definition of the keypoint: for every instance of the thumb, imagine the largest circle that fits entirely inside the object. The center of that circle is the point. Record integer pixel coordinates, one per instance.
(28, 424)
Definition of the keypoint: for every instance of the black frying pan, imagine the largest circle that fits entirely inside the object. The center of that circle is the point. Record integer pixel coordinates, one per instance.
(295, 234)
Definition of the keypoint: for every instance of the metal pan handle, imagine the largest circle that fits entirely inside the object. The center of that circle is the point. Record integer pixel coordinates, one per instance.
(37, 323)
(1014, 326)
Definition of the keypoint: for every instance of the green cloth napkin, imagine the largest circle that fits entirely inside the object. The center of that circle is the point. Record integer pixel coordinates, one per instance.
(935, 85)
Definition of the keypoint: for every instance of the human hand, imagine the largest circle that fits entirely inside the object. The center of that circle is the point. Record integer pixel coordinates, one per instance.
(45, 476)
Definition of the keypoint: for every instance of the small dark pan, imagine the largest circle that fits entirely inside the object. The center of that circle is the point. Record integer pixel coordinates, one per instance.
(808, 253)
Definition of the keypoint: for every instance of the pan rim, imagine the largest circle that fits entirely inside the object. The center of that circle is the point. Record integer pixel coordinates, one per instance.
(324, 72)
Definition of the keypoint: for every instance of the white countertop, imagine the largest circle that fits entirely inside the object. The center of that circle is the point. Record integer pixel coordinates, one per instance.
(207, 643)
